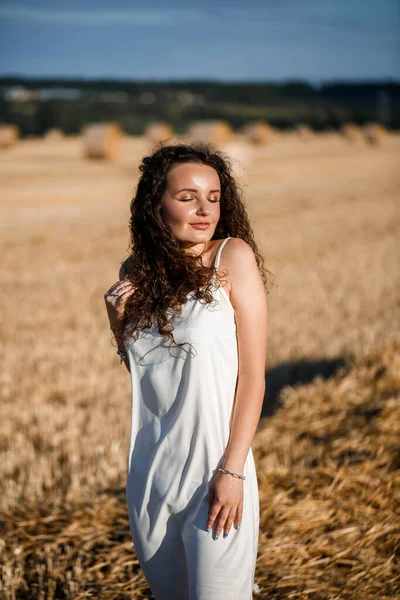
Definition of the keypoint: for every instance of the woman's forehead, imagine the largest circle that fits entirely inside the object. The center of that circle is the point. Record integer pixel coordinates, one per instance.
(192, 172)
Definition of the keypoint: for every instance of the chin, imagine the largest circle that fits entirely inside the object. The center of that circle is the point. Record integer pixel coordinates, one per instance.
(201, 236)
(195, 236)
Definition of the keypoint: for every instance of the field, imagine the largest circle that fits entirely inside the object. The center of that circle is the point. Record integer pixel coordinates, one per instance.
(327, 218)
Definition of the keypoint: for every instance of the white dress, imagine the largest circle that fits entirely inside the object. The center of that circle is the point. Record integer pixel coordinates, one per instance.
(182, 400)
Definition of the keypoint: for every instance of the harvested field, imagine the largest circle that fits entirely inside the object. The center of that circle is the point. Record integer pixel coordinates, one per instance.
(327, 217)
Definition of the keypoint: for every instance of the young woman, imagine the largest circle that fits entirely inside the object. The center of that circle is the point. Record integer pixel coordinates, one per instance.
(194, 342)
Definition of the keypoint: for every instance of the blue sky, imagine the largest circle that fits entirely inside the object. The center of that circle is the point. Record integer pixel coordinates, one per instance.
(317, 40)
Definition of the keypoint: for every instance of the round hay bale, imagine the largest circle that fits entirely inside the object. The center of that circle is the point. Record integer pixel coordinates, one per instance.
(240, 155)
(210, 132)
(9, 135)
(258, 133)
(352, 133)
(158, 132)
(102, 140)
(375, 133)
(53, 135)
(304, 132)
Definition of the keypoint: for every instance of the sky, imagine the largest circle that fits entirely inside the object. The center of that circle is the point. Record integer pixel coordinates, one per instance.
(236, 40)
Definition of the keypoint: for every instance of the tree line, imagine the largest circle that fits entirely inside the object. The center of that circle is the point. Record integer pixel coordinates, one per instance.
(135, 104)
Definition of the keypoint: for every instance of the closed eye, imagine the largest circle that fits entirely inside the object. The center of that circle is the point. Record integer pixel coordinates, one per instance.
(191, 198)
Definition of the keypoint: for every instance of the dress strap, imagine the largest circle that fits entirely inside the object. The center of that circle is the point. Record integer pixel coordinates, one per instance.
(218, 255)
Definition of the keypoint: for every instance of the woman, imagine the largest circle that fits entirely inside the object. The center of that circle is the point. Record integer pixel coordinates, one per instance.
(195, 346)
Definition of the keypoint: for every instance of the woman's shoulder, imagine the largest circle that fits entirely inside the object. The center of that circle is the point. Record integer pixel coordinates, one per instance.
(234, 244)
(238, 249)
(237, 256)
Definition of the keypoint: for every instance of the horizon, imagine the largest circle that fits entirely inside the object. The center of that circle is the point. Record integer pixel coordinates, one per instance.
(280, 82)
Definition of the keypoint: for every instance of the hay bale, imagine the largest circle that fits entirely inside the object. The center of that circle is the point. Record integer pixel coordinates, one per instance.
(305, 132)
(375, 133)
(9, 135)
(53, 135)
(258, 133)
(214, 132)
(102, 140)
(158, 132)
(352, 133)
(240, 156)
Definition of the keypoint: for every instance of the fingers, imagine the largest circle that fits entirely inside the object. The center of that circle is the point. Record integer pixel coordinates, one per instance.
(228, 523)
(223, 517)
(115, 299)
(119, 287)
(118, 294)
(212, 515)
(126, 294)
(238, 517)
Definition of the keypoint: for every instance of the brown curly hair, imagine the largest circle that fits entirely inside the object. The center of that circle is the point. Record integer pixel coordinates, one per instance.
(161, 272)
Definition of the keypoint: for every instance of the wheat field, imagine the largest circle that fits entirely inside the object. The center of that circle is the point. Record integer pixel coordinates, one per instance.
(326, 216)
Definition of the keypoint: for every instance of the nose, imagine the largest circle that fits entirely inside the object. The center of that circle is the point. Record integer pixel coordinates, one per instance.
(204, 208)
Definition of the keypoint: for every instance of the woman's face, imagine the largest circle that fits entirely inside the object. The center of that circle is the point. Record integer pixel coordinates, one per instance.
(192, 196)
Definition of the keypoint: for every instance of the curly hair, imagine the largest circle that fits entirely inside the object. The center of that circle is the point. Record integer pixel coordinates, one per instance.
(161, 272)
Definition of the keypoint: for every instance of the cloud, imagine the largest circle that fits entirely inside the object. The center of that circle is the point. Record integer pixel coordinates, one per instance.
(130, 17)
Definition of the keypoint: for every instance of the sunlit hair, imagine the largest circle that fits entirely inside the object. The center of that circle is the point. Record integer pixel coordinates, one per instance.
(163, 274)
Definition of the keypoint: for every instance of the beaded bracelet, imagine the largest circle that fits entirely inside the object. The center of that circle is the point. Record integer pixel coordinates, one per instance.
(122, 355)
(233, 474)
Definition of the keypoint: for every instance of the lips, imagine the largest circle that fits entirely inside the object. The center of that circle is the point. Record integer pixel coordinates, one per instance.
(200, 225)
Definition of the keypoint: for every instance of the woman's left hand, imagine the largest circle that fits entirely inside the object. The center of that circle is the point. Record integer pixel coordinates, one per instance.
(225, 497)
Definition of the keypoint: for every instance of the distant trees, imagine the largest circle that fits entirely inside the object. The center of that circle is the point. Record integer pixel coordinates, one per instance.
(136, 104)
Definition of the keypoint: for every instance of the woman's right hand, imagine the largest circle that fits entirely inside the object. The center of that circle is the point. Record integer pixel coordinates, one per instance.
(115, 299)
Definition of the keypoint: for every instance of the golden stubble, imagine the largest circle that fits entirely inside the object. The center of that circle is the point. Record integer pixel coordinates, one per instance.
(327, 218)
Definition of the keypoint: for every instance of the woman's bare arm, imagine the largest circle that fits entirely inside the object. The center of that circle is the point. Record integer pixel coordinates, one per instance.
(249, 300)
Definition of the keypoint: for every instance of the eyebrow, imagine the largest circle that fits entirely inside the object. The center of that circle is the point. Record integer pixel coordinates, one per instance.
(194, 190)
